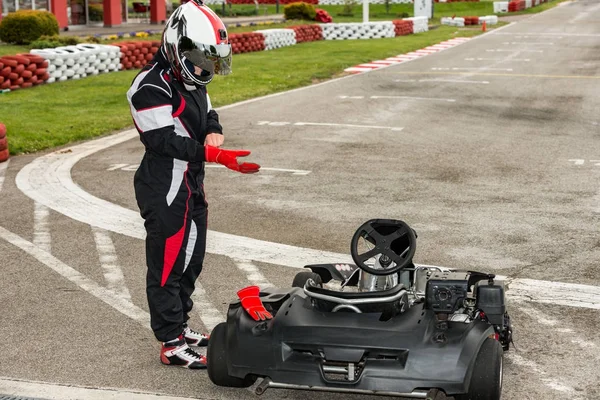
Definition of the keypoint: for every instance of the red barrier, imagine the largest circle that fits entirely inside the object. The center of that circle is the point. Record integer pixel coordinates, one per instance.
(314, 2)
(22, 71)
(136, 54)
(471, 21)
(4, 154)
(323, 16)
(246, 42)
(403, 27)
(516, 5)
(307, 33)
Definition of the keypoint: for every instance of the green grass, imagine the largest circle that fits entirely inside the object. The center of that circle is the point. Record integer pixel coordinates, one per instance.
(9, 49)
(63, 112)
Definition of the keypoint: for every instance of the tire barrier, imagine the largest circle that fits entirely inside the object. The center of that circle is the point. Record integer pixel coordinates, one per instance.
(402, 27)
(516, 5)
(420, 24)
(307, 33)
(276, 38)
(463, 21)
(4, 153)
(136, 54)
(343, 2)
(22, 71)
(79, 61)
(323, 16)
(357, 30)
(455, 1)
(247, 42)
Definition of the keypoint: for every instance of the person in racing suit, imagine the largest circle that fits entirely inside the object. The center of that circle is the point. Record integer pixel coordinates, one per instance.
(180, 131)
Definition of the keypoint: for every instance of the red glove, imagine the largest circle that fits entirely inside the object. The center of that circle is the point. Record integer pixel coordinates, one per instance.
(252, 303)
(228, 158)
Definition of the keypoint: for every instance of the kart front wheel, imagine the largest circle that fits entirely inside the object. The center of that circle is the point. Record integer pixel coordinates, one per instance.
(302, 277)
(486, 381)
(216, 356)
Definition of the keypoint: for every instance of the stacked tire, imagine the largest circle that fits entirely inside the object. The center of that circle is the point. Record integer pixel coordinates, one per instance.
(308, 33)
(402, 27)
(247, 42)
(79, 61)
(22, 71)
(517, 5)
(457, 21)
(420, 24)
(489, 20)
(4, 154)
(276, 38)
(134, 55)
(471, 20)
(358, 30)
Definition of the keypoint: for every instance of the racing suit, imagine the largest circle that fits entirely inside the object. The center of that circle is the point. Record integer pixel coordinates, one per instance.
(173, 120)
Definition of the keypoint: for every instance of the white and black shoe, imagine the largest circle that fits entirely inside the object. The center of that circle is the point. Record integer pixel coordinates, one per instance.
(194, 338)
(177, 352)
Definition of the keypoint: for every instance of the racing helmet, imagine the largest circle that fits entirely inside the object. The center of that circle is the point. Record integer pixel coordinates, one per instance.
(194, 36)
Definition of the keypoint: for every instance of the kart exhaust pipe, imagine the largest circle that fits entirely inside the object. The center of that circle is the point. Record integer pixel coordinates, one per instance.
(268, 383)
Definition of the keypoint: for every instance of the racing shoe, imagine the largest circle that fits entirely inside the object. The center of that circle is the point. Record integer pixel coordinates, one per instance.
(177, 352)
(194, 338)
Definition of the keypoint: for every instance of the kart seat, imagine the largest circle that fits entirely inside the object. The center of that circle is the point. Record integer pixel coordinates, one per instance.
(392, 300)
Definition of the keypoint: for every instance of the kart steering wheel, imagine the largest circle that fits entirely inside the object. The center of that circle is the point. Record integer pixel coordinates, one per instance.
(393, 239)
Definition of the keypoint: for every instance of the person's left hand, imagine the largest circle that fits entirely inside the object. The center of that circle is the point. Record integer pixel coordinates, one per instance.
(214, 139)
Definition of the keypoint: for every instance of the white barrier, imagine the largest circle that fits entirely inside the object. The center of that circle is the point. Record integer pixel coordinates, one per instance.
(457, 21)
(528, 3)
(500, 6)
(75, 62)
(358, 30)
(489, 20)
(275, 38)
(420, 24)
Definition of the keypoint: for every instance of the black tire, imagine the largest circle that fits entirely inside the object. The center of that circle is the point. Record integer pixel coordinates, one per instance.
(217, 361)
(302, 277)
(486, 381)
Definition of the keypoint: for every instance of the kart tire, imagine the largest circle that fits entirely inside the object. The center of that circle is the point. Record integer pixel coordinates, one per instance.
(486, 381)
(302, 277)
(216, 356)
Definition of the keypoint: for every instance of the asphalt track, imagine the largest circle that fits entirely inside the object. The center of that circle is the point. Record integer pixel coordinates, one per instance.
(488, 149)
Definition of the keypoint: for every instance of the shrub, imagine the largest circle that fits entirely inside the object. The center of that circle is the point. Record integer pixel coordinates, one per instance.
(300, 10)
(48, 42)
(25, 26)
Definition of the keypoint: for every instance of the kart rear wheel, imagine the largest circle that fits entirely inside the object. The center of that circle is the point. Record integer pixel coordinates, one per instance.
(302, 277)
(216, 356)
(486, 382)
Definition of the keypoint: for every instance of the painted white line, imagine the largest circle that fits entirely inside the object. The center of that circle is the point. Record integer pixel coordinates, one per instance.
(392, 128)
(3, 168)
(514, 51)
(370, 65)
(41, 229)
(109, 263)
(384, 62)
(292, 171)
(472, 69)
(455, 81)
(405, 80)
(358, 69)
(565, 294)
(77, 278)
(52, 391)
(497, 59)
(414, 98)
(209, 315)
(534, 367)
(561, 34)
(531, 43)
(253, 274)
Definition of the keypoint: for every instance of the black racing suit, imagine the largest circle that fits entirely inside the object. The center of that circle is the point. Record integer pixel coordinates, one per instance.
(173, 123)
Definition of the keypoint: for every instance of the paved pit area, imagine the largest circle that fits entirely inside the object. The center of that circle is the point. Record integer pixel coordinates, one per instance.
(488, 149)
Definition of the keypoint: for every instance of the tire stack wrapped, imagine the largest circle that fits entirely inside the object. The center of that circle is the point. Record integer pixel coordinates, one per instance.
(4, 154)
(79, 61)
(307, 33)
(247, 42)
(136, 54)
(276, 38)
(516, 5)
(457, 21)
(420, 24)
(500, 7)
(489, 20)
(22, 71)
(471, 20)
(358, 30)
(402, 27)
(343, 2)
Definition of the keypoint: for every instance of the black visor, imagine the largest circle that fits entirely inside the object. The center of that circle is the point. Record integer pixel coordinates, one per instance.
(213, 58)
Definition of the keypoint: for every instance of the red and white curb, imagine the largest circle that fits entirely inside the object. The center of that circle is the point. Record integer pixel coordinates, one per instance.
(407, 57)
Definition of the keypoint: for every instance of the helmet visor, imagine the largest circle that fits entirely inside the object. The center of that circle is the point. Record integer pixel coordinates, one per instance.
(209, 57)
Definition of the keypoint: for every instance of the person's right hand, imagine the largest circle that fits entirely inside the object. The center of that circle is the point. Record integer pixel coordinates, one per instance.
(228, 158)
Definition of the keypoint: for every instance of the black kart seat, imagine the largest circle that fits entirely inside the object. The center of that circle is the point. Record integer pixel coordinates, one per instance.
(386, 301)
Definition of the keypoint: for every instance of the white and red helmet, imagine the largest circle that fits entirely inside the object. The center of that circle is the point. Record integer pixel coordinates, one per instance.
(194, 36)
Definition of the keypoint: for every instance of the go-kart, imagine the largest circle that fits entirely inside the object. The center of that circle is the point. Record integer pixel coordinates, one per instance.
(384, 326)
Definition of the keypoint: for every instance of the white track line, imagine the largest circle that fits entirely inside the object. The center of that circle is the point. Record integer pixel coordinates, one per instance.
(414, 98)
(392, 128)
(292, 171)
(41, 228)
(50, 391)
(101, 293)
(113, 273)
(565, 294)
(253, 274)
(537, 34)
(209, 315)
(3, 168)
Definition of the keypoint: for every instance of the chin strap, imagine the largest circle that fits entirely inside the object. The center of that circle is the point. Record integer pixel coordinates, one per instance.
(252, 303)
